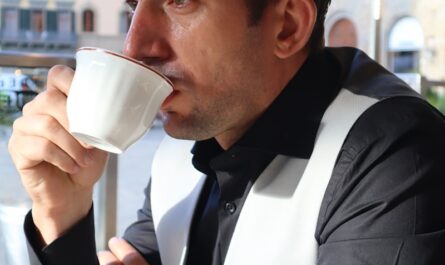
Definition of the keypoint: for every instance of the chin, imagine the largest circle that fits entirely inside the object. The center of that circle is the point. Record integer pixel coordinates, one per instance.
(178, 127)
(172, 125)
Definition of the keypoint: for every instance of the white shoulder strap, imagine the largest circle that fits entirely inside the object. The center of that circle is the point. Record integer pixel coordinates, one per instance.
(278, 220)
(175, 189)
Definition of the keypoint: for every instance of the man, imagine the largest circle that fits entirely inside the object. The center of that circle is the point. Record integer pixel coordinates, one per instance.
(302, 154)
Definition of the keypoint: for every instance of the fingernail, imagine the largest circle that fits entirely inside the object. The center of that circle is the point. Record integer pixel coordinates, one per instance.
(113, 240)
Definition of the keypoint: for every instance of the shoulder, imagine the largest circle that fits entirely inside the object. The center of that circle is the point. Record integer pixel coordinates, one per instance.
(396, 119)
(388, 177)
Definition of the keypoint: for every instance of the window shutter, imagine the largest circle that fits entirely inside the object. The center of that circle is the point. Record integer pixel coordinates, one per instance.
(2, 16)
(51, 21)
(73, 22)
(25, 19)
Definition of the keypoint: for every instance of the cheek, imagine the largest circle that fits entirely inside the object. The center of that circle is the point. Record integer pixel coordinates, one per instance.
(215, 69)
(207, 70)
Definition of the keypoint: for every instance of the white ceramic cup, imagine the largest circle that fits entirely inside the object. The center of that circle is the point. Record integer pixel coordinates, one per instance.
(113, 99)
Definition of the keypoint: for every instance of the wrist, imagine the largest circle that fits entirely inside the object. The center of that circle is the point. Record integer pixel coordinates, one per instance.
(52, 223)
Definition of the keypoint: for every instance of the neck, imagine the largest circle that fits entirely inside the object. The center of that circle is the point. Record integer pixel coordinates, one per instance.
(279, 78)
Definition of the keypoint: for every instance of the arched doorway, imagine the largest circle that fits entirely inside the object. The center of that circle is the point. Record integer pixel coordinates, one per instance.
(342, 33)
(406, 40)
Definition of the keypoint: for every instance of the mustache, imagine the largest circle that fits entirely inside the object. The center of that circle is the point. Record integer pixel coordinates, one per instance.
(170, 71)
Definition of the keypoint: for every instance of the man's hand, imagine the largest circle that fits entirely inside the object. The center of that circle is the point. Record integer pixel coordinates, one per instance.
(121, 253)
(57, 171)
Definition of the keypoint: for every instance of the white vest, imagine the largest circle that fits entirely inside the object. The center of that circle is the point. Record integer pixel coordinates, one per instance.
(278, 220)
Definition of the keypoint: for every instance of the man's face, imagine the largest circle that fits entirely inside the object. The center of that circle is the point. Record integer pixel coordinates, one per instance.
(217, 63)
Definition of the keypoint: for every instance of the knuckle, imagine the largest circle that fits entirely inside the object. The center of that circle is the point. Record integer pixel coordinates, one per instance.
(48, 98)
(50, 125)
(28, 106)
(16, 125)
(58, 71)
(44, 99)
(20, 163)
(55, 71)
(46, 147)
(40, 100)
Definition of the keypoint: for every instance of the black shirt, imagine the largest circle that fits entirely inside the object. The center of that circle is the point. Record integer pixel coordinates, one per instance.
(383, 205)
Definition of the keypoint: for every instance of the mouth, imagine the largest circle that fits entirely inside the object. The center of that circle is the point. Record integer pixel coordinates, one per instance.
(176, 78)
(167, 102)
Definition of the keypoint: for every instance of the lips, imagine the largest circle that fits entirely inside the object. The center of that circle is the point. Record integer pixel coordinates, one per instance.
(168, 100)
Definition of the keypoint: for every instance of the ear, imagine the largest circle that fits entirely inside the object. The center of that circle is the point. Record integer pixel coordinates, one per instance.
(298, 19)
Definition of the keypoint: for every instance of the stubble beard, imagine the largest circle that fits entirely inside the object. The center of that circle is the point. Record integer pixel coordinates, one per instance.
(200, 124)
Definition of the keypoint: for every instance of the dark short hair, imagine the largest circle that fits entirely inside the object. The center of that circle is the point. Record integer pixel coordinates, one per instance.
(316, 42)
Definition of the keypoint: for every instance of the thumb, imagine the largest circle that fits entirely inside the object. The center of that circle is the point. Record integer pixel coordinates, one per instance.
(125, 252)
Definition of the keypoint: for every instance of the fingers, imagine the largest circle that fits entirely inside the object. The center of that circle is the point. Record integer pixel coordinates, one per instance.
(122, 253)
(125, 253)
(51, 103)
(60, 78)
(107, 258)
(30, 151)
(43, 127)
(53, 100)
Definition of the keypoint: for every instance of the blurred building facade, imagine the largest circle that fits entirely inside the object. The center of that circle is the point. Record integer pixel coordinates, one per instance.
(61, 26)
(406, 36)
(102, 23)
(37, 25)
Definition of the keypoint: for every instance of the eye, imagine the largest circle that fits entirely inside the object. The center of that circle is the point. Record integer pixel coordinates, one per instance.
(181, 7)
(181, 2)
(132, 4)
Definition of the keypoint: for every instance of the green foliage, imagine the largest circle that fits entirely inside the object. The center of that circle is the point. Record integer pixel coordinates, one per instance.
(5, 117)
(436, 99)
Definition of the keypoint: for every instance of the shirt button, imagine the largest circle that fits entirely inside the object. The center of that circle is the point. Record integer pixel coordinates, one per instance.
(230, 207)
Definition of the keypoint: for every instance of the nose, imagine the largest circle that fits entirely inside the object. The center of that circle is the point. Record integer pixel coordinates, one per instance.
(147, 37)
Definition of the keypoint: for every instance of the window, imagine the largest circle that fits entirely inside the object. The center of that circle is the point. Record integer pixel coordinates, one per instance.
(10, 21)
(25, 22)
(51, 21)
(64, 21)
(406, 40)
(37, 22)
(405, 62)
(88, 20)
